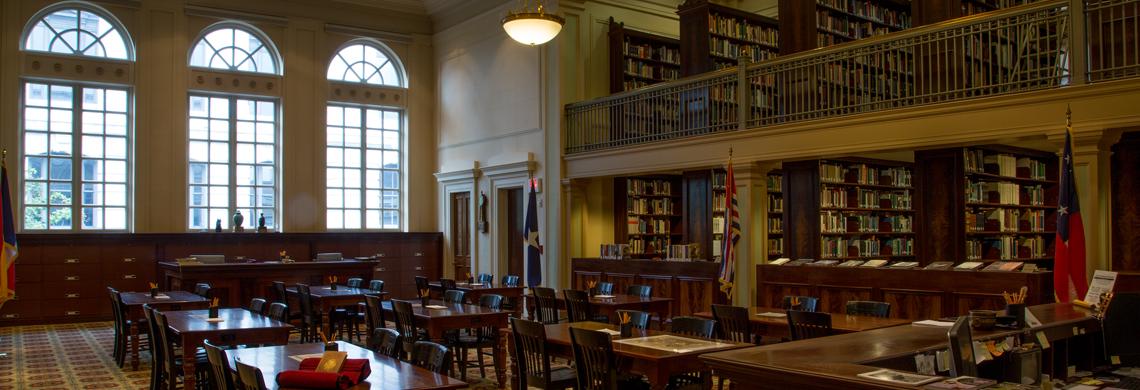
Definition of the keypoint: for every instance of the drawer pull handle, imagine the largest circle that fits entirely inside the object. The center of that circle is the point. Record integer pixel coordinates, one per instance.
(380, 269)
(128, 259)
(72, 313)
(419, 268)
(11, 316)
(379, 254)
(71, 278)
(70, 261)
(72, 296)
(130, 276)
(419, 254)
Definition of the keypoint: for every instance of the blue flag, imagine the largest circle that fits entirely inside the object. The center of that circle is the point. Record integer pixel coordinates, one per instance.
(533, 248)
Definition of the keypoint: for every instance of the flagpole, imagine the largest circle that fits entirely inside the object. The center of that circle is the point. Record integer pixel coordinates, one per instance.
(4, 163)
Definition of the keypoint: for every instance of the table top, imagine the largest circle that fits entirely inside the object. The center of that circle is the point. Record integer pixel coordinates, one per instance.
(559, 334)
(448, 309)
(387, 373)
(477, 286)
(132, 298)
(192, 321)
(848, 355)
(619, 299)
(839, 322)
(341, 291)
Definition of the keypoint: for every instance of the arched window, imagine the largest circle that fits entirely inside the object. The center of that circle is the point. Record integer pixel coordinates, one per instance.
(81, 29)
(76, 135)
(234, 46)
(365, 63)
(364, 167)
(234, 140)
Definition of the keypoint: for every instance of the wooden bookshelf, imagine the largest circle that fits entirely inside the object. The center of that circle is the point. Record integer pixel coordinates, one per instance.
(703, 207)
(849, 209)
(648, 214)
(719, 194)
(808, 25)
(639, 58)
(775, 215)
(713, 36)
(987, 203)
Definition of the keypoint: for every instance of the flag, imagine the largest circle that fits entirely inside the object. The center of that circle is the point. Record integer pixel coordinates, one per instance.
(10, 251)
(530, 234)
(731, 232)
(1069, 281)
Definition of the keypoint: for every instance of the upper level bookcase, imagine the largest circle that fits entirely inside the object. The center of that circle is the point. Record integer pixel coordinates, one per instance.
(639, 58)
(848, 209)
(987, 203)
(807, 25)
(713, 36)
(647, 214)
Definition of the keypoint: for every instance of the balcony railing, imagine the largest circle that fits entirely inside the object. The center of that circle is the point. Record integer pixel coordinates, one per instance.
(1015, 50)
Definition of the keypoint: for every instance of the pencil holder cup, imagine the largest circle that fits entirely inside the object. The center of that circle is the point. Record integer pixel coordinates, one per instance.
(626, 330)
(331, 346)
(213, 312)
(1016, 310)
(154, 292)
(332, 286)
(424, 301)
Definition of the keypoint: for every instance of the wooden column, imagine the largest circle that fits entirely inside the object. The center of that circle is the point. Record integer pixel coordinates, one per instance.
(1125, 251)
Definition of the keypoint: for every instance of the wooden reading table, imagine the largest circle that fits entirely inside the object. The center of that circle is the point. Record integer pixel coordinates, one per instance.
(840, 323)
(473, 291)
(237, 326)
(325, 299)
(164, 301)
(609, 305)
(451, 316)
(387, 373)
(835, 361)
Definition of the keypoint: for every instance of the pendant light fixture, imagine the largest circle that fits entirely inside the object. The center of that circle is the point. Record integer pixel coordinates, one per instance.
(532, 26)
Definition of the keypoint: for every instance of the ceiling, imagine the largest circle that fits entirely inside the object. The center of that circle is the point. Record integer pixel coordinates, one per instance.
(444, 13)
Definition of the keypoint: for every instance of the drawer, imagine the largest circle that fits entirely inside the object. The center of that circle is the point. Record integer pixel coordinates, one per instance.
(137, 284)
(72, 290)
(126, 263)
(129, 272)
(29, 273)
(29, 254)
(21, 309)
(417, 249)
(65, 308)
(28, 291)
(413, 265)
(71, 254)
(124, 254)
(86, 272)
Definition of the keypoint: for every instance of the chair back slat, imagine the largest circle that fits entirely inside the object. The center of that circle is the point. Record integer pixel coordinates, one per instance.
(869, 308)
(594, 359)
(693, 326)
(605, 288)
(431, 356)
(257, 305)
(376, 285)
(405, 324)
(510, 281)
(639, 290)
(282, 295)
(530, 352)
(801, 303)
(386, 342)
(485, 278)
(454, 296)
(355, 282)
(279, 312)
(808, 325)
(733, 323)
(545, 305)
(578, 305)
(639, 319)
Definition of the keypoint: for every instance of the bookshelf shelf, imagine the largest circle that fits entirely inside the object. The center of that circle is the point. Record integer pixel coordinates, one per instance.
(713, 36)
(639, 59)
(775, 209)
(650, 216)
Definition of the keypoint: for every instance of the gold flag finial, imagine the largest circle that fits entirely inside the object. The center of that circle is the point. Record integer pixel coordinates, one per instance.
(1069, 117)
(729, 151)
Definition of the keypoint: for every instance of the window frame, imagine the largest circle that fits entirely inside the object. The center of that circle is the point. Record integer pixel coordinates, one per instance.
(116, 24)
(397, 64)
(232, 164)
(269, 45)
(77, 156)
(401, 190)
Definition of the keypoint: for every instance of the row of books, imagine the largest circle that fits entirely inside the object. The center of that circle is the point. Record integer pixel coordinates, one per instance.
(661, 53)
(775, 183)
(870, 10)
(995, 52)
(718, 180)
(1007, 266)
(864, 174)
(977, 161)
(634, 84)
(718, 202)
(635, 225)
(865, 247)
(775, 246)
(1004, 193)
(850, 28)
(889, 63)
(732, 49)
(718, 224)
(862, 81)
(659, 72)
(775, 203)
(864, 198)
(836, 222)
(649, 246)
(775, 225)
(649, 187)
(1007, 247)
(742, 30)
(656, 206)
(1005, 220)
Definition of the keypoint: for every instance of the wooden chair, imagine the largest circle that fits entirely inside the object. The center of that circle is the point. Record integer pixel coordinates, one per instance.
(278, 311)
(447, 284)
(454, 296)
(545, 306)
(250, 377)
(421, 284)
(373, 317)
(122, 327)
(578, 306)
(355, 282)
(431, 356)
(202, 290)
(596, 363)
(605, 288)
(257, 305)
(376, 285)
(219, 366)
(291, 311)
(869, 308)
(387, 342)
(693, 326)
(510, 281)
(639, 290)
(485, 279)
(533, 359)
(1121, 319)
(808, 325)
(405, 324)
(310, 319)
(734, 324)
(478, 339)
(169, 362)
(800, 303)
(639, 319)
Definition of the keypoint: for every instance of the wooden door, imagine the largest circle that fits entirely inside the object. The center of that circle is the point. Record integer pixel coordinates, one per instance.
(516, 217)
(461, 233)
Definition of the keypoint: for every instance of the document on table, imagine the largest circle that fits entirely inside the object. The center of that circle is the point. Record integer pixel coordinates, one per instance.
(940, 324)
(772, 314)
(1102, 282)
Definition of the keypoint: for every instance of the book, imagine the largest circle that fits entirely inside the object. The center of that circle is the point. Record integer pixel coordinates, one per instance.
(874, 263)
(801, 262)
(969, 265)
(899, 377)
(961, 383)
(939, 265)
(331, 361)
(1003, 266)
(851, 263)
(780, 261)
(824, 263)
(904, 264)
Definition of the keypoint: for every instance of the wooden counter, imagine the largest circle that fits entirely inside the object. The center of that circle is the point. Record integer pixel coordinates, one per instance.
(236, 284)
(834, 362)
(691, 284)
(912, 293)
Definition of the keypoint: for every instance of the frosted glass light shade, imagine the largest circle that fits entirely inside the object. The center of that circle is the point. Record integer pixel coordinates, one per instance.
(532, 28)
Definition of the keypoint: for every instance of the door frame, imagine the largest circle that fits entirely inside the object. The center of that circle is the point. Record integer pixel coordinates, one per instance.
(500, 178)
(455, 182)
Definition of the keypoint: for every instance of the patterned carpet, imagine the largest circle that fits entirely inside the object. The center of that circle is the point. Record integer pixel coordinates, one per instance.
(78, 356)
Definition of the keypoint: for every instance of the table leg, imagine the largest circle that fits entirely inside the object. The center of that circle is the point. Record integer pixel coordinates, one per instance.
(188, 362)
(134, 336)
(498, 357)
(658, 379)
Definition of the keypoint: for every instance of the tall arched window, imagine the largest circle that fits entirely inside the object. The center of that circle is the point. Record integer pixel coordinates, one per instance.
(233, 139)
(364, 172)
(76, 133)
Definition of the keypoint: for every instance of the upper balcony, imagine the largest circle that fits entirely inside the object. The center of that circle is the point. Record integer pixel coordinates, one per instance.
(1048, 45)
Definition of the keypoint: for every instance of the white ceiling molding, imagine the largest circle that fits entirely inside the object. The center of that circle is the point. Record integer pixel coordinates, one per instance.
(386, 36)
(458, 176)
(510, 169)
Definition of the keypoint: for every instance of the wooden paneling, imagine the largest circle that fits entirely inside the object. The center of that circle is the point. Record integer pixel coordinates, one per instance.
(774, 293)
(582, 279)
(696, 295)
(914, 304)
(833, 299)
(1126, 203)
(691, 285)
(966, 302)
(621, 280)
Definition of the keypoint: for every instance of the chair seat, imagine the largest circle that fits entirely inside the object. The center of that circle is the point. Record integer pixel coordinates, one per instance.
(563, 374)
(472, 341)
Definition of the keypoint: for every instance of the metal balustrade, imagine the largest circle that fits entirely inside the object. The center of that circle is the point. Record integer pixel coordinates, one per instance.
(1019, 49)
